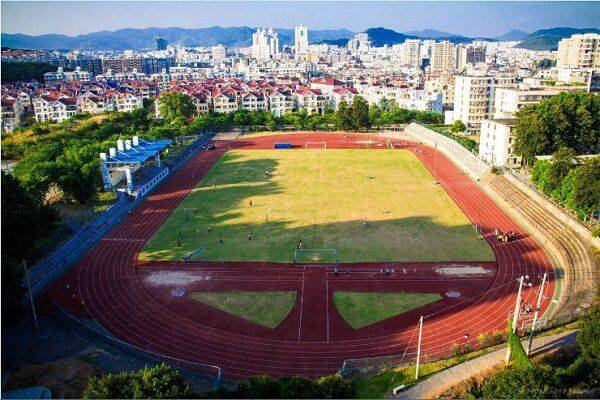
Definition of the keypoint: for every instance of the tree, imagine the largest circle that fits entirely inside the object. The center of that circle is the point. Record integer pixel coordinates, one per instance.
(343, 117)
(520, 383)
(25, 220)
(360, 113)
(562, 163)
(263, 387)
(176, 105)
(458, 126)
(157, 382)
(568, 119)
(586, 192)
(375, 116)
(335, 387)
(78, 175)
(297, 387)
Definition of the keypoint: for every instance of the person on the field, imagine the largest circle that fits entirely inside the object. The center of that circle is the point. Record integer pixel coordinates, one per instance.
(178, 243)
(300, 244)
(249, 236)
(209, 229)
(364, 222)
(266, 218)
(221, 239)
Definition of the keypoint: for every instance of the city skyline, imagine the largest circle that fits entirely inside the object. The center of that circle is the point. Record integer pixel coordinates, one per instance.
(465, 18)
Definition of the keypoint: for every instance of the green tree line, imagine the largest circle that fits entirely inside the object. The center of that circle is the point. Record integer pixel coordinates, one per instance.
(573, 183)
(165, 382)
(25, 71)
(566, 120)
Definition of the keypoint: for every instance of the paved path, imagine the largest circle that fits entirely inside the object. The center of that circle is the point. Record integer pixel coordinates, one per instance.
(444, 380)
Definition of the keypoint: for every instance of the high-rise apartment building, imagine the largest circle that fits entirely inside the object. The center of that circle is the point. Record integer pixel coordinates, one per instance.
(161, 43)
(579, 51)
(442, 56)
(301, 41)
(474, 99)
(359, 43)
(411, 53)
(468, 55)
(265, 44)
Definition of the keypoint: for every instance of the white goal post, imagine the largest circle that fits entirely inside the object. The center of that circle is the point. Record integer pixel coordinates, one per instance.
(315, 145)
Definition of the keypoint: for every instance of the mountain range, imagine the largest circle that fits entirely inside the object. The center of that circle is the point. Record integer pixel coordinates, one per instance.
(143, 39)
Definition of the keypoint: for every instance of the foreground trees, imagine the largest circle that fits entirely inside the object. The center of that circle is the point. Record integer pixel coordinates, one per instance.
(566, 120)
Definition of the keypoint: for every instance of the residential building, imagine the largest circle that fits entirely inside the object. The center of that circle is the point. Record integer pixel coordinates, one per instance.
(122, 65)
(301, 41)
(265, 44)
(411, 53)
(161, 43)
(579, 51)
(64, 76)
(442, 56)
(474, 99)
(496, 144)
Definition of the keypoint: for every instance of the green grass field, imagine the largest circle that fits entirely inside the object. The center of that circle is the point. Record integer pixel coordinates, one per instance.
(321, 198)
(360, 309)
(263, 308)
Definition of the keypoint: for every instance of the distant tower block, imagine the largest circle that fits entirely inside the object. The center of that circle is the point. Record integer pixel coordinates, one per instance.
(301, 41)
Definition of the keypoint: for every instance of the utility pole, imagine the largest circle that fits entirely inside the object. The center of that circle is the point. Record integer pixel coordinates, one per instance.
(35, 322)
(419, 347)
(515, 316)
(537, 310)
(435, 164)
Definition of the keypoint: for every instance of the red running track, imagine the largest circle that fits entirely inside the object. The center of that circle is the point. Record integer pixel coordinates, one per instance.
(313, 339)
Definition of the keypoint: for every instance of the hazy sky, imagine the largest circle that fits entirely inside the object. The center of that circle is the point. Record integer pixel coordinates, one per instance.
(468, 18)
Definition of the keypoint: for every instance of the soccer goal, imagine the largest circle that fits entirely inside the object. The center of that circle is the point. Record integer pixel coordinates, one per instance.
(315, 256)
(315, 145)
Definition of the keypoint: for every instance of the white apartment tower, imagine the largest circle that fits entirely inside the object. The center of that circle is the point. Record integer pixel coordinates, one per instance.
(474, 99)
(301, 41)
(442, 56)
(411, 53)
(265, 44)
(579, 51)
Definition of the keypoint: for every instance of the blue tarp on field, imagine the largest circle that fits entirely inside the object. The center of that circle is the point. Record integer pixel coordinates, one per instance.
(282, 145)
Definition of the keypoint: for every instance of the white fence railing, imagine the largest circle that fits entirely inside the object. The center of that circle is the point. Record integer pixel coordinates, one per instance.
(463, 158)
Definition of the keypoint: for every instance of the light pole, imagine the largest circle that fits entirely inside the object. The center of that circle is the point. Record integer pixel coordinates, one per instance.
(419, 347)
(537, 310)
(515, 316)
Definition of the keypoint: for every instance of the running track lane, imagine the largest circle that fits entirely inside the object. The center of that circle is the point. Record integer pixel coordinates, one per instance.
(114, 296)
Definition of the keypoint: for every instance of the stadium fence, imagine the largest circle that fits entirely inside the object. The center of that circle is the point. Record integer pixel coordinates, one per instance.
(208, 373)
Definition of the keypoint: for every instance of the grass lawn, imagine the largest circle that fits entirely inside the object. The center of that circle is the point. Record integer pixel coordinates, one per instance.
(263, 308)
(321, 198)
(361, 309)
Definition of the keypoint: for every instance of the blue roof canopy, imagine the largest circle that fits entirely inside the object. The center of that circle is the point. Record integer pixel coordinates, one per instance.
(141, 153)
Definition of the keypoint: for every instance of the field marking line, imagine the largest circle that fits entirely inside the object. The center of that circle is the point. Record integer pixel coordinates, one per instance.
(301, 306)
(327, 304)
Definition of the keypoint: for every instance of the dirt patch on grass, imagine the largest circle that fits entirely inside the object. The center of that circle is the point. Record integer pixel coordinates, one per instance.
(66, 378)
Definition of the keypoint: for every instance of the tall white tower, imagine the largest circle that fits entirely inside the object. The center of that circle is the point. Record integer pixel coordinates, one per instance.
(301, 41)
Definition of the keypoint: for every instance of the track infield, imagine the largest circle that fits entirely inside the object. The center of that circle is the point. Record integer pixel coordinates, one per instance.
(264, 202)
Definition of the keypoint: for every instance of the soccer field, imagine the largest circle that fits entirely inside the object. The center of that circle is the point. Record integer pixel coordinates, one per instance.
(321, 198)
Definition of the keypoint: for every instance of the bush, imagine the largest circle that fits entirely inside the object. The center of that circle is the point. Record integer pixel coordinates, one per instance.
(158, 382)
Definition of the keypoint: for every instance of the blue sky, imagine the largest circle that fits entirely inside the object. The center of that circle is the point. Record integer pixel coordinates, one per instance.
(468, 18)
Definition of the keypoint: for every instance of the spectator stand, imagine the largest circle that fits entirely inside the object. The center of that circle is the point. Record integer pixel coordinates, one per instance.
(134, 166)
